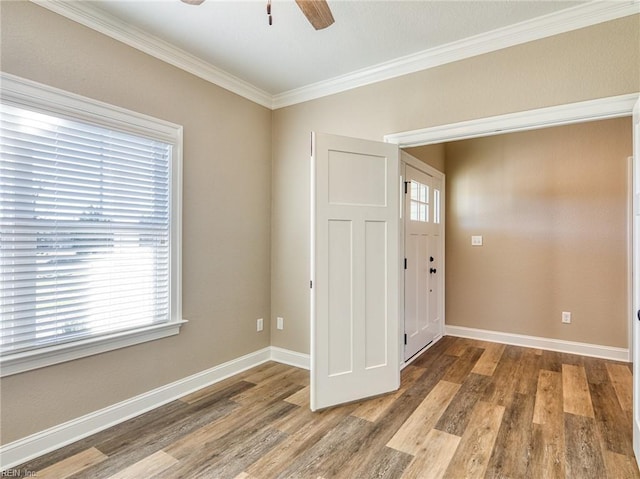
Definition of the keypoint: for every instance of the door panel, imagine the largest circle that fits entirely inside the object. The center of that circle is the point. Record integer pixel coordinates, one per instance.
(375, 265)
(354, 269)
(340, 285)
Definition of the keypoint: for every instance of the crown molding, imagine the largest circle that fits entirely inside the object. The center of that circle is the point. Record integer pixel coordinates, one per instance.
(89, 16)
(567, 20)
(541, 27)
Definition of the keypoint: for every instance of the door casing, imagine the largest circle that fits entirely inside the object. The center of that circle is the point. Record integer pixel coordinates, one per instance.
(635, 280)
(578, 112)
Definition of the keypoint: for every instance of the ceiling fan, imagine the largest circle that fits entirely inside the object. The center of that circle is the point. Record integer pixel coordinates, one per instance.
(316, 11)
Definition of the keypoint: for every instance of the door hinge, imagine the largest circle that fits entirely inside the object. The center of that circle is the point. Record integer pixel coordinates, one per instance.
(405, 186)
(405, 339)
(405, 263)
(311, 284)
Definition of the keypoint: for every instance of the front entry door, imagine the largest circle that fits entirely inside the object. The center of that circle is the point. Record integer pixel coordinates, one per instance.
(354, 269)
(422, 272)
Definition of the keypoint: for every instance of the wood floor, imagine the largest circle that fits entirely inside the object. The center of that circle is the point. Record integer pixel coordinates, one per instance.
(466, 409)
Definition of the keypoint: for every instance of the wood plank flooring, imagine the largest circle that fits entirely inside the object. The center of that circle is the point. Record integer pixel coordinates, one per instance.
(465, 409)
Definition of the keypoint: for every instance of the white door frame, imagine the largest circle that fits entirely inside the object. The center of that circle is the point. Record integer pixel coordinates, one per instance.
(635, 276)
(407, 159)
(580, 112)
(600, 109)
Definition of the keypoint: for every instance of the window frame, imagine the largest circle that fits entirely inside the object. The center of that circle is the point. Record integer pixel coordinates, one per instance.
(422, 203)
(23, 93)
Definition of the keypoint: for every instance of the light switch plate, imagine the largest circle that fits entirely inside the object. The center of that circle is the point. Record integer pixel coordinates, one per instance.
(476, 240)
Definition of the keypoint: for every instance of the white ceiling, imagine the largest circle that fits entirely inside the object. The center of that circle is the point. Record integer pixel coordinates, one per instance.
(235, 40)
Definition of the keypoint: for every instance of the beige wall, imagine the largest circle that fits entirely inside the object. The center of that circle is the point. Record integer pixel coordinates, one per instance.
(226, 222)
(595, 62)
(551, 206)
(432, 155)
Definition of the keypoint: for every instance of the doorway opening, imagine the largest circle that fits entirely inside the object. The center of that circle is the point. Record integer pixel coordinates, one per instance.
(580, 112)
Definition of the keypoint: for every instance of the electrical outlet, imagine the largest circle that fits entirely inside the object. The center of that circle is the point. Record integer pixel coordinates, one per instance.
(280, 323)
(476, 240)
(260, 324)
(566, 317)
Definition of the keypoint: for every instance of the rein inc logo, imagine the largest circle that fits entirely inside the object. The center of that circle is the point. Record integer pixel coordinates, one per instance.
(18, 473)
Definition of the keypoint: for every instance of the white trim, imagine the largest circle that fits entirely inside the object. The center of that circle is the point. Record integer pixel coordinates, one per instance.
(545, 26)
(96, 19)
(635, 280)
(630, 237)
(22, 450)
(580, 16)
(599, 109)
(571, 347)
(39, 358)
(292, 358)
(21, 92)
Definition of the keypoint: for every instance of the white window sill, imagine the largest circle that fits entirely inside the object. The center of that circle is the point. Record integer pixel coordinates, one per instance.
(26, 361)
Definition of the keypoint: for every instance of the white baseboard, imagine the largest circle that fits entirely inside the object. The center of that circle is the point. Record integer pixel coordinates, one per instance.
(584, 349)
(22, 450)
(292, 358)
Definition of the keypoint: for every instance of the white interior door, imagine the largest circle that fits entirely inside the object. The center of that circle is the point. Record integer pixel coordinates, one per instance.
(636, 280)
(354, 269)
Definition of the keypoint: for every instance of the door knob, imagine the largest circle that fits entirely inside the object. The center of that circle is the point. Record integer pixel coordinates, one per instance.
(433, 270)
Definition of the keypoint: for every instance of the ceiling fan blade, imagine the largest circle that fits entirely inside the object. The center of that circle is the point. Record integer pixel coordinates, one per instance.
(317, 12)
(193, 2)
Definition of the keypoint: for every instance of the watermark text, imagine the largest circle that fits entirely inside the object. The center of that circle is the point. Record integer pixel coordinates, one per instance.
(18, 473)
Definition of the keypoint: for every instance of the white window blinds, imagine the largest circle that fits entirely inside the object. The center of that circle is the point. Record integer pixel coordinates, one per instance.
(85, 230)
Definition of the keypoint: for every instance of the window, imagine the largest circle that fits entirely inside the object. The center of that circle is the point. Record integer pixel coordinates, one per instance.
(89, 217)
(419, 202)
(436, 206)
